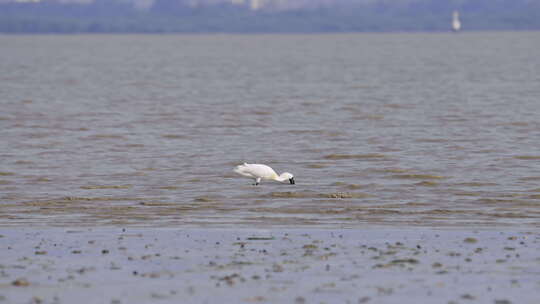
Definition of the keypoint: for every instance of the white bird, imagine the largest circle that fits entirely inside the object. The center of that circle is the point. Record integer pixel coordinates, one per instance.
(259, 171)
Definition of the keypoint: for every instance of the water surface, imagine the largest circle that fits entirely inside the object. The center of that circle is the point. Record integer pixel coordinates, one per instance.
(379, 129)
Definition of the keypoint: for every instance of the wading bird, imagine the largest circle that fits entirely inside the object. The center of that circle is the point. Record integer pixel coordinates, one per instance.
(259, 172)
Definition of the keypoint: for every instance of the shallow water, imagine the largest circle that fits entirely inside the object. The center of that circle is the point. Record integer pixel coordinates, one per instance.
(387, 129)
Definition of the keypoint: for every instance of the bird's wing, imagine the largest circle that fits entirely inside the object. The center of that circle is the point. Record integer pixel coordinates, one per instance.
(259, 170)
(255, 171)
(244, 170)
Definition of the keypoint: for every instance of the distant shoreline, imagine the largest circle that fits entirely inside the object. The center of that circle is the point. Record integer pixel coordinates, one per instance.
(292, 33)
(181, 16)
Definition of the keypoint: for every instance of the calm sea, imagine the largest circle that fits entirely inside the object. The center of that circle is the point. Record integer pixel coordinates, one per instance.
(379, 129)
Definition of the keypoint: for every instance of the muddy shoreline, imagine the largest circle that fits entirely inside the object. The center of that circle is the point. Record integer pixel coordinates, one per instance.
(196, 265)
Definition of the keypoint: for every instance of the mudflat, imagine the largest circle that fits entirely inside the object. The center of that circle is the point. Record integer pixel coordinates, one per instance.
(278, 265)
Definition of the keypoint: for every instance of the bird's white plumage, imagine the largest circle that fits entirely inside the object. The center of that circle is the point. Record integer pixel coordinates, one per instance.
(256, 170)
(260, 171)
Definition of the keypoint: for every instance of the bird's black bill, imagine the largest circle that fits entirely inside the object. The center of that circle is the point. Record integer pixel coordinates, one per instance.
(291, 180)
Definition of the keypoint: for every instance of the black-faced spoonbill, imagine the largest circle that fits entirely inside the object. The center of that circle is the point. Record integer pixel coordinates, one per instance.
(259, 172)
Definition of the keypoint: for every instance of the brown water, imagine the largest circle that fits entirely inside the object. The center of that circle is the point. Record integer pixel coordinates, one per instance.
(378, 129)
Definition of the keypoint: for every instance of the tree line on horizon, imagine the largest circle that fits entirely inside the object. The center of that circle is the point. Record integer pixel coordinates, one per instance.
(173, 16)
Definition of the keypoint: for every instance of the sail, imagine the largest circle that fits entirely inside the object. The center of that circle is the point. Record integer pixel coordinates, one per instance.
(456, 24)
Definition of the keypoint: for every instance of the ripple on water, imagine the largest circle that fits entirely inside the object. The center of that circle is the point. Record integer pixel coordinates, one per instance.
(23, 162)
(174, 136)
(290, 194)
(506, 202)
(94, 187)
(204, 199)
(103, 136)
(134, 146)
(528, 157)
(389, 170)
(302, 132)
(530, 178)
(432, 140)
(427, 184)
(354, 186)
(367, 156)
(169, 187)
(417, 176)
(316, 166)
(368, 117)
(43, 180)
(475, 184)
(462, 193)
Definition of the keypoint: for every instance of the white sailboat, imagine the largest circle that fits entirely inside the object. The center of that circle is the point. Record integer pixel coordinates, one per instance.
(456, 24)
